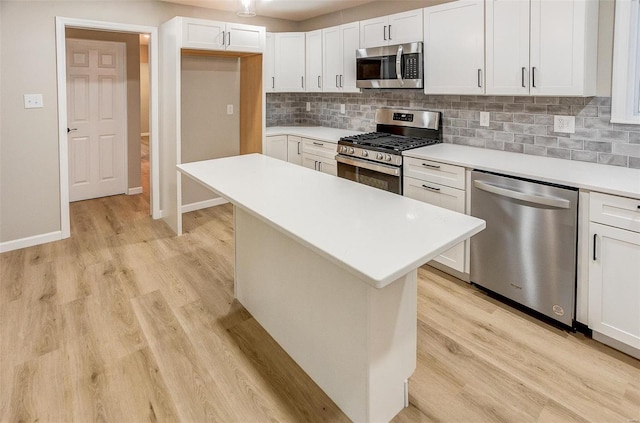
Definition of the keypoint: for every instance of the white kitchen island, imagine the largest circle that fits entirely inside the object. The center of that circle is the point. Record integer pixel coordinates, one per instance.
(329, 268)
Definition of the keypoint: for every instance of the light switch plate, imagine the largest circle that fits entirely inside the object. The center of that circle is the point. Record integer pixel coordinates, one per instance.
(229, 109)
(33, 101)
(484, 118)
(564, 124)
(343, 109)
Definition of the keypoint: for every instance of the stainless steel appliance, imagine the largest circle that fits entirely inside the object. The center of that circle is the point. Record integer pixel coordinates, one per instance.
(397, 66)
(375, 158)
(527, 253)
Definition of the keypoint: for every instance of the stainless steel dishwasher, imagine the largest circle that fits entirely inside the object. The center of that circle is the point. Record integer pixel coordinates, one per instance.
(527, 253)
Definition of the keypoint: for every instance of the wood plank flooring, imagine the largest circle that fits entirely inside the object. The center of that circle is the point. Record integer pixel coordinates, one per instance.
(124, 322)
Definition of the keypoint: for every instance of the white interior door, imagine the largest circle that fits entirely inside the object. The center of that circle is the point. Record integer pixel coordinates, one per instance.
(96, 116)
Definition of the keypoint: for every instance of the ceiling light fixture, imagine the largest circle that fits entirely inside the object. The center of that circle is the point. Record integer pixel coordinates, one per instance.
(247, 8)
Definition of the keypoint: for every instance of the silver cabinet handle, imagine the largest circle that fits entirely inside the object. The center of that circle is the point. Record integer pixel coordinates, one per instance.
(430, 188)
(223, 43)
(431, 166)
(318, 143)
(319, 82)
(229, 39)
(320, 166)
(337, 83)
(302, 81)
(595, 239)
(384, 32)
(399, 65)
(559, 203)
(480, 78)
(298, 148)
(523, 70)
(533, 77)
(273, 82)
(390, 32)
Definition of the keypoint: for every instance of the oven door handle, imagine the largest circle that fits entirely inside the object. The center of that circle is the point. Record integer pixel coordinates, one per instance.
(365, 164)
(399, 65)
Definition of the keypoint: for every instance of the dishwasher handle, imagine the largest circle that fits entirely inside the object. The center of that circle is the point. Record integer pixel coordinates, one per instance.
(560, 203)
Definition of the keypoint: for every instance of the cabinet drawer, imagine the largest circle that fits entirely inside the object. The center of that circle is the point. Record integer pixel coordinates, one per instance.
(439, 173)
(612, 210)
(438, 195)
(319, 148)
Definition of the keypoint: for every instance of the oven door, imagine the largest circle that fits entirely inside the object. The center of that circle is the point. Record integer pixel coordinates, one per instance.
(385, 177)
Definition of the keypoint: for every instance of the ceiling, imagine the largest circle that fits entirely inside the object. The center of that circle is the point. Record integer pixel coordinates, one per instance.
(293, 10)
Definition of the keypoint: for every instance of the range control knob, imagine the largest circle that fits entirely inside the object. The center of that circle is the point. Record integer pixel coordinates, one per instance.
(388, 158)
(351, 150)
(365, 153)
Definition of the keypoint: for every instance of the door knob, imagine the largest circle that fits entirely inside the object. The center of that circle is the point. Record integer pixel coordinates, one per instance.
(71, 129)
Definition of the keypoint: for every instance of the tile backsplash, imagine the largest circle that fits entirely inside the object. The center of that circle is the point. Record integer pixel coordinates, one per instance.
(518, 124)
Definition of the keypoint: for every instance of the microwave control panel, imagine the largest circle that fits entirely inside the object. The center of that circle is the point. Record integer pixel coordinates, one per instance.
(412, 67)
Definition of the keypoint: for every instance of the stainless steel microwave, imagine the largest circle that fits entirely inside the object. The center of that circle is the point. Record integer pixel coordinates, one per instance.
(397, 66)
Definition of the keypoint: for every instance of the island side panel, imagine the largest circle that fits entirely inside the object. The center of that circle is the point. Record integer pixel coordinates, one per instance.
(344, 333)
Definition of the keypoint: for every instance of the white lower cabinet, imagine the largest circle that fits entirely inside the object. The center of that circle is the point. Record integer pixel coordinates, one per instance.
(614, 269)
(294, 149)
(320, 156)
(441, 185)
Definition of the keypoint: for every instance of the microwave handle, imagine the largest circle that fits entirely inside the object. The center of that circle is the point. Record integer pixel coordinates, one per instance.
(399, 65)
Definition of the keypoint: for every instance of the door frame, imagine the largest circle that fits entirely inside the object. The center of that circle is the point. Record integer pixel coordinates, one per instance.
(61, 24)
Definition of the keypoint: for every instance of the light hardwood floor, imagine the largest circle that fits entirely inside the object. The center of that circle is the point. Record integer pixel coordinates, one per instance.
(124, 322)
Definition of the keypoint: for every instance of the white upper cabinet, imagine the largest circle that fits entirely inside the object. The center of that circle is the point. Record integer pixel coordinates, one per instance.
(289, 61)
(507, 47)
(339, 45)
(400, 28)
(213, 35)
(269, 63)
(454, 48)
(564, 42)
(314, 61)
(541, 47)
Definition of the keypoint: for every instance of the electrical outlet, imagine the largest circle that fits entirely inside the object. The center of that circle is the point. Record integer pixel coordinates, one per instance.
(564, 124)
(308, 106)
(343, 109)
(484, 118)
(33, 101)
(229, 109)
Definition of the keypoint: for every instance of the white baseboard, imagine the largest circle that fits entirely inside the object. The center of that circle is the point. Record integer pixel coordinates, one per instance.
(30, 241)
(144, 134)
(134, 191)
(186, 208)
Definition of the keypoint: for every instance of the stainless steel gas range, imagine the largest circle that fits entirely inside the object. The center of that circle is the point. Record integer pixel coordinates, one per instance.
(375, 158)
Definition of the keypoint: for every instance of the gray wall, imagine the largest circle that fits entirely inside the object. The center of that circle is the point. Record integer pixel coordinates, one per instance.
(518, 124)
(29, 169)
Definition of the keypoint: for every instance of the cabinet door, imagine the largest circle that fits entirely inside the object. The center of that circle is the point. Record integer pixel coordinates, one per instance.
(561, 38)
(350, 37)
(314, 61)
(294, 150)
(328, 166)
(269, 62)
(448, 198)
(405, 27)
(277, 147)
(331, 59)
(310, 161)
(247, 38)
(202, 34)
(507, 47)
(289, 66)
(454, 48)
(374, 32)
(614, 283)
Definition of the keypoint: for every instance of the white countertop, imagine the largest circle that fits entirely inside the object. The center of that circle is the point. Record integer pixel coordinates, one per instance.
(376, 235)
(589, 176)
(319, 133)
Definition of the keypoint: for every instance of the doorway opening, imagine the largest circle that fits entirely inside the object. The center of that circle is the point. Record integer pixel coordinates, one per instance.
(142, 145)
